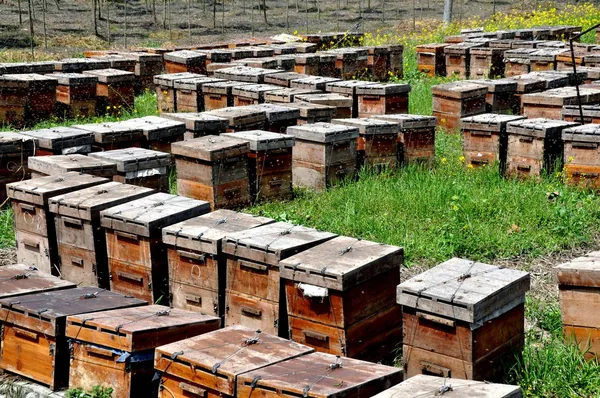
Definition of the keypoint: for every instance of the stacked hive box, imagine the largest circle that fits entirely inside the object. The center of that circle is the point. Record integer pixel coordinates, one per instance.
(250, 94)
(79, 65)
(458, 59)
(214, 169)
(307, 64)
(345, 377)
(26, 98)
(121, 62)
(199, 124)
(396, 59)
(517, 61)
(34, 224)
(323, 155)
(526, 84)
(564, 61)
(313, 82)
(578, 291)
(75, 95)
(284, 79)
(137, 258)
(245, 74)
(80, 238)
(254, 296)
(347, 88)
(462, 319)
(114, 91)
(212, 363)
(217, 56)
(166, 95)
(41, 67)
(34, 327)
(159, 133)
(453, 101)
(350, 62)
(189, 94)
(549, 103)
(197, 265)
(146, 67)
(61, 141)
(382, 99)
(22, 280)
(342, 104)
(348, 307)
(269, 164)
(185, 61)
(499, 97)
(591, 113)
(41, 166)
(279, 117)
(581, 160)
(431, 59)
(487, 62)
(379, 62)
(242, 118)
(263, 63)
(15, 149)
(125, 362)
(543, 59)
(313, 113)
(327, 65)
(533, 145)
(140, 167)
(285, 62)
(220, 94)
(116, 135)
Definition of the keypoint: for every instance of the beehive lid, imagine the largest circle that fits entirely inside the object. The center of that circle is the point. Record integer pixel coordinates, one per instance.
(105, 133)
(157, 128)
(383, 89)
(459, 89)
(134, 159)
(138, 329)
(283, 79)
(330, 99)
(148, 215)
(241, 52)
(531, 44)
(15, 68)
(313, 82)
(544, 54)
(539, 127)
(327, 57)
(498, 85)
(505, 44)
(39, 190)
(266, 63)
(281, 49)
(169, 79)
(488, 122)
(551, 78)
(517, 53)
(276, 113)
(346, 86)
(323, 132)
(240, 116)
(87, 203)
(59, 164)
(222, 87)
(307, 59)
(260, 140)
(19, 280)
(305, 47)
(429, 386)
(245, 74)
(185, 57)
(200, 122)
(80, 64)
(552, 44)
(529, 84)
(524, 34)
(227, 353)
(410, 121)
(287, 94)
(12, 143)
(588, 110)
(74, 79)
(144, 57)
(582, 271)
(431, 47)
(205, 233)
(584, 133)
(485, 41)
(461, 48)
(56, 138)
(321, 375)
(273, 242)
(505, 34)
(118, 61)
(112, 76)
(465, 290)
(562, 96)
(261, 51)
(341, 263)
(255, 91)
(50, 309)
(195, 83)
(211, 148)
(26, 80)
(217, 55)
(487, 51)
(368, 126)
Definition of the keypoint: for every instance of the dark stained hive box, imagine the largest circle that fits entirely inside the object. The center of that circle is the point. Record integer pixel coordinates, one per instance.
(34, 224)
(220, 95)
(549, 103)
(146, 67)
(210, 364)
(26, 99)
(487, 63)
(313, 113)
(307, 64)
(41, 67)
(245, 74)
(197, 265)
(159, 132)
(199, 124)
(185, 61)
(114, 135)
(458, 59)
(581, 160)
(166, 95)
(21, 280)
(348, 89)
(340, 297)
(263, 63)
(41, 166)
(500, 93)
(591, 114)
(79, 65)
(251, 93)
(286, 95)
(318, 375)
(140, 167)
(565, 62)
(431, 59)
(254, 296)
(75, 95)
(379, 62)
(313, 82)
(286, 63)
(524, 34)
(189, 94)
(215, 169)
(327, 64)
(382, 99)
(305, 48)
(217, 55)
(137, 258)
(350, 62)
(543, 59)
(463, 319)
(61, 141)
(260, 51)
(116, 348)
(284, 79)
(453, 101)
(114, 91)
(34, 327)
(552, 79)
(505, 44)
(517, 61)
(121, 62)
(342, 104)
(278, 117)
(283, 49)
(15, 149)
(396, 59)
(241, 118)
(80, 238)
(324, 154)
(526, 84)
(269, 164)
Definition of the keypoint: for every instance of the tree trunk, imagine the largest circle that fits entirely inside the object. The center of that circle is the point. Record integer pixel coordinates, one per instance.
(31, 32)
(44, 24)
(164, 14)
(287, 15)
(94, 23)
(264, 6)
(252, 16)
(223, 17)
(447, 11)
(306, 22)
(20, 13)
(108, 21)
(126, 18)
(189, 13)
(382, 10)
(214, 13)
(153, 10)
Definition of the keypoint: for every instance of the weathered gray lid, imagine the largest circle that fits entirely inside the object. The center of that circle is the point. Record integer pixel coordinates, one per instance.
(465, 290)
(111, 76)
(200, 122)
(26, 80)
(275, 113)
(157, 128)
(409, 121)
(584, 133)
(240, 116)
(310, 110)
(538, 127)
(280, 49)
(134, 159)
(562, 96)
(194, 84)
(459, 89)
(59, 164)
(245, 73)
(544, 54)
(61, 137)
(217, 54)
(323, 132)
(332, 99)
(211, 148)
(74, 79)
(80, 64)
(307, 59)
(368, 126)
(488, 121)
(112, 132)
(260, 140)
(20, 279)
(498, 85)
(588, 111)
(313, 82)
(186, 57)
(256, 91)
(169, 79)
(552, 79)
(519, 53)
(11, 143)
(283, 79)
(383, 89)
(148, 215)
(287, 94)
(346, 86)
(581, 271)
(222, 87)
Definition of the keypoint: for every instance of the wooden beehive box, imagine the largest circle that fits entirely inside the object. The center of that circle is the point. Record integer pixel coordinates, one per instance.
(15, 149)
(217, 55)
(199, 124)
(578, 290)
(505, 44)
(396, 59)
(463, 319)
(118, 61)
(284, 79)
(185, 61)
(382, 99)
(427, 385)
(487, 63)
(552, 44)
(500, 93)
(327, 65)
(146, 67)
(581, 161)
(261, 51)
(565, 62)
(351, 62)
(535, 145)
(245, 74)
(526, 84)
(21, 280)
(377, 143)
(220, 95)
(324, 154)
(342, 104)
(79, 65)
(212, 363)
(348, 89)
(485, 139)
(283, 49)
(278, 117)
(286, 63)
(114, 135)
(549, 103)
(552, 79)
(26, 98)
(41, 67)
(431, 59)
(197, 265)
(34, 224)
(517, 61)
(140, 167)
(41, 166)
(137, 258)
(591, 114)
(311, 113)
(252, 296)
(263, 63)
(348, 307)
(241, 118)
(379, 62)
(286, 95)
(318, 375)
(214, 169)
(166, 95)
(116, 348)
(269, 164)
(543, 59)
(251, 94)
(453, 101)
(159, 132)
(592, 59)
(458, 59)
(75, 95)
(307, 64)
(189, 94)
(523, 34)
(34, 327)
(114, 91)
(61, 141)
(313, 82)
(80, 238)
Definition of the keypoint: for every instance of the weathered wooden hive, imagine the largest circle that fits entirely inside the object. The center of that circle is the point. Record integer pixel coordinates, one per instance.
(462, 319)
(499, 97)
(313, 82)
(517, 61)
(313, 113)
(286, 63)
(166, 95)
(217, 55)
(348, 89)
(15, 150)
(382, 99)
(26, 99)
(21, 280)
(61, 141)
(581, 160)
(220, 94)
(41, 166)
(159, 132)
(146, 67)
(245, 74)
(350, 62)
(458, 59)
(262, 63)
(453, 101)
(189, 94)
(114, 135)
(284, 79)
(307, 64)
(241, 118)
(79, 65)
(431, 59)
(379, 62)
(119, 61)
(114, 91)
(327, 63)
(487, 62)
(549, 103)
(185, 61)
(278, 117)
(75, 95)
(342, 104)
(250, 94)
(199, 124)
(564, 61)
(591, 114)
